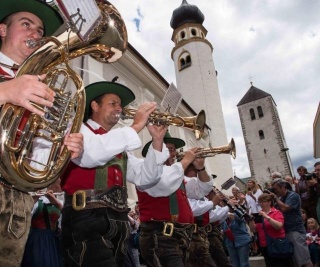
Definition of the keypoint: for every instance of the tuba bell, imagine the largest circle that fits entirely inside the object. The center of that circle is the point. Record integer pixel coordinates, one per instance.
(195, 123)
(213, 151)
(22, 131)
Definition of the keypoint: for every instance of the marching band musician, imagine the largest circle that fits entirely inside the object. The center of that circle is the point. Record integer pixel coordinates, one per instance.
(95, 226)
(22, 20)
(166, 216)
(208, 215)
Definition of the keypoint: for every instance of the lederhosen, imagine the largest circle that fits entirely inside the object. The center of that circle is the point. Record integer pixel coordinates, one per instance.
(95, 225)
(214, 238)
(15, 217)
(166, 239)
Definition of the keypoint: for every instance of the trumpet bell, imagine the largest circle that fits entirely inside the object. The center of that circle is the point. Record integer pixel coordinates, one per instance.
(227, 149)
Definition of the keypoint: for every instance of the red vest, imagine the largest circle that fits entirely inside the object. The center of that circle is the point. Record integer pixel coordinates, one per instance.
(158, 208)
(78, 178)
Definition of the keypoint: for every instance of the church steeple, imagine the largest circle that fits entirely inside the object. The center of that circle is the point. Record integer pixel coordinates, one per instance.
(186, 13)
(197, 80)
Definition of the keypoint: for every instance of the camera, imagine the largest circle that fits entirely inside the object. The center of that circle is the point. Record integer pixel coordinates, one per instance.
(309, 176)
(257, 218)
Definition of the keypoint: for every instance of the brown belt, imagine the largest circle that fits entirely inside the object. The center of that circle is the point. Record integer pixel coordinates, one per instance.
(114, 197)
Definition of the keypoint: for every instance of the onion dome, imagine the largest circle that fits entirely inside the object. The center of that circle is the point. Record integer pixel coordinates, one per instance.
(186, 13)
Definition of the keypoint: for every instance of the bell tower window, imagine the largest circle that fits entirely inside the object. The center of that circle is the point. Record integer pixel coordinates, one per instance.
(184, 60)
(182, 34)
(252, 114)
(260, 112)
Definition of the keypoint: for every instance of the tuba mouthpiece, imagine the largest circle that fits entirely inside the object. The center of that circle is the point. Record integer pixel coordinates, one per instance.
(32, 43)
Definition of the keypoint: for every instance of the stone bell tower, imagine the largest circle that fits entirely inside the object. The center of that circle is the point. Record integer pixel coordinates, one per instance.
(197, 81)
(263, 135)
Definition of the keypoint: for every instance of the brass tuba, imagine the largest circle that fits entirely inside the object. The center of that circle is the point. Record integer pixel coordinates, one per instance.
(194, 123)
(21, 131)
(212, 151)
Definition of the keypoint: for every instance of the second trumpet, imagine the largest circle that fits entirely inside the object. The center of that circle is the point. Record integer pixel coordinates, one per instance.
(212, 151)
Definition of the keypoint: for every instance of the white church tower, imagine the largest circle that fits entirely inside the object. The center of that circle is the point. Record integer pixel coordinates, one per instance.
(197, 81)
(263, 135)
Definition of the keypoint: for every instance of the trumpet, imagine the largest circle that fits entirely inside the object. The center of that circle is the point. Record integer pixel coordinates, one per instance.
(212, 151)
(237, 208)
(195, 123)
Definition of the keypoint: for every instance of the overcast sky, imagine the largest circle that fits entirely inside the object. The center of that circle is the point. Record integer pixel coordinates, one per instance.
(276, 42)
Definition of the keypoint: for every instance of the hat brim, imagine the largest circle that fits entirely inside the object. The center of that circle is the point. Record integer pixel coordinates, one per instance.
(97, 89)
(50, 18)
(172, 140)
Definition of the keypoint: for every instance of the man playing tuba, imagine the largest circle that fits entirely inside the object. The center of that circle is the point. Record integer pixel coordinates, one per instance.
(22, 20)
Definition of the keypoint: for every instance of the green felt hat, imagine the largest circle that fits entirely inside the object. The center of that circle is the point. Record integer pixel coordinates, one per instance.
(167, 139)
(51, 19)
(97, 89)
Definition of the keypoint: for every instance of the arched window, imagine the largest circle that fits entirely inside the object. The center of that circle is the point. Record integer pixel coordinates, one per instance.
(184, 60)
(252, 114)
(261, 134)
(260, 112)
(182, 35)
(193, 32)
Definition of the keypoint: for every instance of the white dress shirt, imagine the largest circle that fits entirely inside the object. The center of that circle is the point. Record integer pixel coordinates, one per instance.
(216, 213)
(99, 149)
(171, 179)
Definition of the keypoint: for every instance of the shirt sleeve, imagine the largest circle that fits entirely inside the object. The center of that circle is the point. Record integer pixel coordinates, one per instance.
(169, 182)
(293, 201)
(197, 189)
(146, 173)
(99, 149)
(219, 214)
(200, 207)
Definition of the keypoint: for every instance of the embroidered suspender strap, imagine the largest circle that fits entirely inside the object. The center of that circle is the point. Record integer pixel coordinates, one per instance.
(101, 176)
(173, 202)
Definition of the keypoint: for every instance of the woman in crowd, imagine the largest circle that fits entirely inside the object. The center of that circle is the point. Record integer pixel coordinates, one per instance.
(272, 225)
(43, 246)
(313, 240)
(237, 240)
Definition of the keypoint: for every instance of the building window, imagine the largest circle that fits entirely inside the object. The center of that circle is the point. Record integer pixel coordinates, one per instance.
(193, 32)
(252, 114)
(261, 134)
(184, 61)
(260, 112)
(182, 34)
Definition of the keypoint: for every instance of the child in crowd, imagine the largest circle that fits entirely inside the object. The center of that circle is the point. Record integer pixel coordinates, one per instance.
(313, 240)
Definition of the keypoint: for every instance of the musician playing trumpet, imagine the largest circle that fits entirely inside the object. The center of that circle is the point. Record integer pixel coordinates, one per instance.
(95, 223)
(167, 223)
